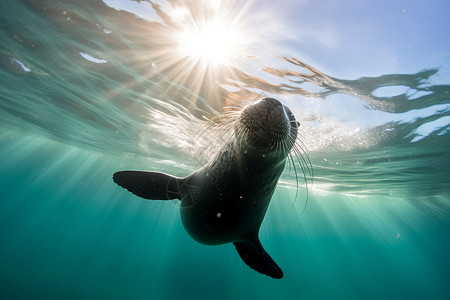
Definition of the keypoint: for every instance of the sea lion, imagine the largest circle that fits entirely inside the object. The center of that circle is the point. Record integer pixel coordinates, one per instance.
(226, 200)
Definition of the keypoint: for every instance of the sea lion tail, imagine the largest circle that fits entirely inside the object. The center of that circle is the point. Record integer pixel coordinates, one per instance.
(149, 185)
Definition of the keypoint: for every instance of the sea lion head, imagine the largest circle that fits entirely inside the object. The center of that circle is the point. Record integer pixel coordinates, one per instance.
(267, 126)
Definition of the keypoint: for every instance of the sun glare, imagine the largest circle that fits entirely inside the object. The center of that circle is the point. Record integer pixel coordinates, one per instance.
(213, 42)
(205, 43)
(213, 38)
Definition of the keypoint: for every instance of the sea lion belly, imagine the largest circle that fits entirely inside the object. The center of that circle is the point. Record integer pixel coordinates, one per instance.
(226, 201)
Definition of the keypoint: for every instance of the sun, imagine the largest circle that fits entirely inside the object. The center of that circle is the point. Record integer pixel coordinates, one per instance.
(213, 42)
(215, 39)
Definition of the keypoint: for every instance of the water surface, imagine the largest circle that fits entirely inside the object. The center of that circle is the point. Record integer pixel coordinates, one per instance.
(92, 87)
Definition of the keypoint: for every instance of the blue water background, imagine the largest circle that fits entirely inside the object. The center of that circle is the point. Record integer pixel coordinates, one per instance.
(92, 87)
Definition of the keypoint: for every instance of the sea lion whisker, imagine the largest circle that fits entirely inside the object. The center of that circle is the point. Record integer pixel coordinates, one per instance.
(291, 161)
(305, 158)
(305, 164)
(233, 108)
(304, 176)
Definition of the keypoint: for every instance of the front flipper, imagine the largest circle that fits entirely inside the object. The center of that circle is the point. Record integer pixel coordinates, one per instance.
(254, 255)
(149, 185)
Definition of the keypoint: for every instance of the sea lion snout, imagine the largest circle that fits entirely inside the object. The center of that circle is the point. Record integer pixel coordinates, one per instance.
(266, 123)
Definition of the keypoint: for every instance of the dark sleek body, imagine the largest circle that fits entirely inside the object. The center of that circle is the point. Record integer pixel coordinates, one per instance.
(226, 200)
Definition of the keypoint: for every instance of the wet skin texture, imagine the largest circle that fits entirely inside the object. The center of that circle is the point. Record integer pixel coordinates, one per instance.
(226, 200)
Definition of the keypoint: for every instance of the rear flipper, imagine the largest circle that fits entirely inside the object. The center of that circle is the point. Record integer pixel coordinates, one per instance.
(254, 255)
(149, 185)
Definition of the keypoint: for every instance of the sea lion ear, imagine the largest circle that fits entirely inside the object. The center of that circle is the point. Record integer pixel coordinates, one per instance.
(149, 185)
(254, 255)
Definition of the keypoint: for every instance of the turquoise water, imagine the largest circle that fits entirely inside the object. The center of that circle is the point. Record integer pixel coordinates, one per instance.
(92, 87)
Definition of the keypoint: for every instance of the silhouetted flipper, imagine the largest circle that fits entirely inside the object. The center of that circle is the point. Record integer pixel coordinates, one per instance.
(149, 185)
(254, 255)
